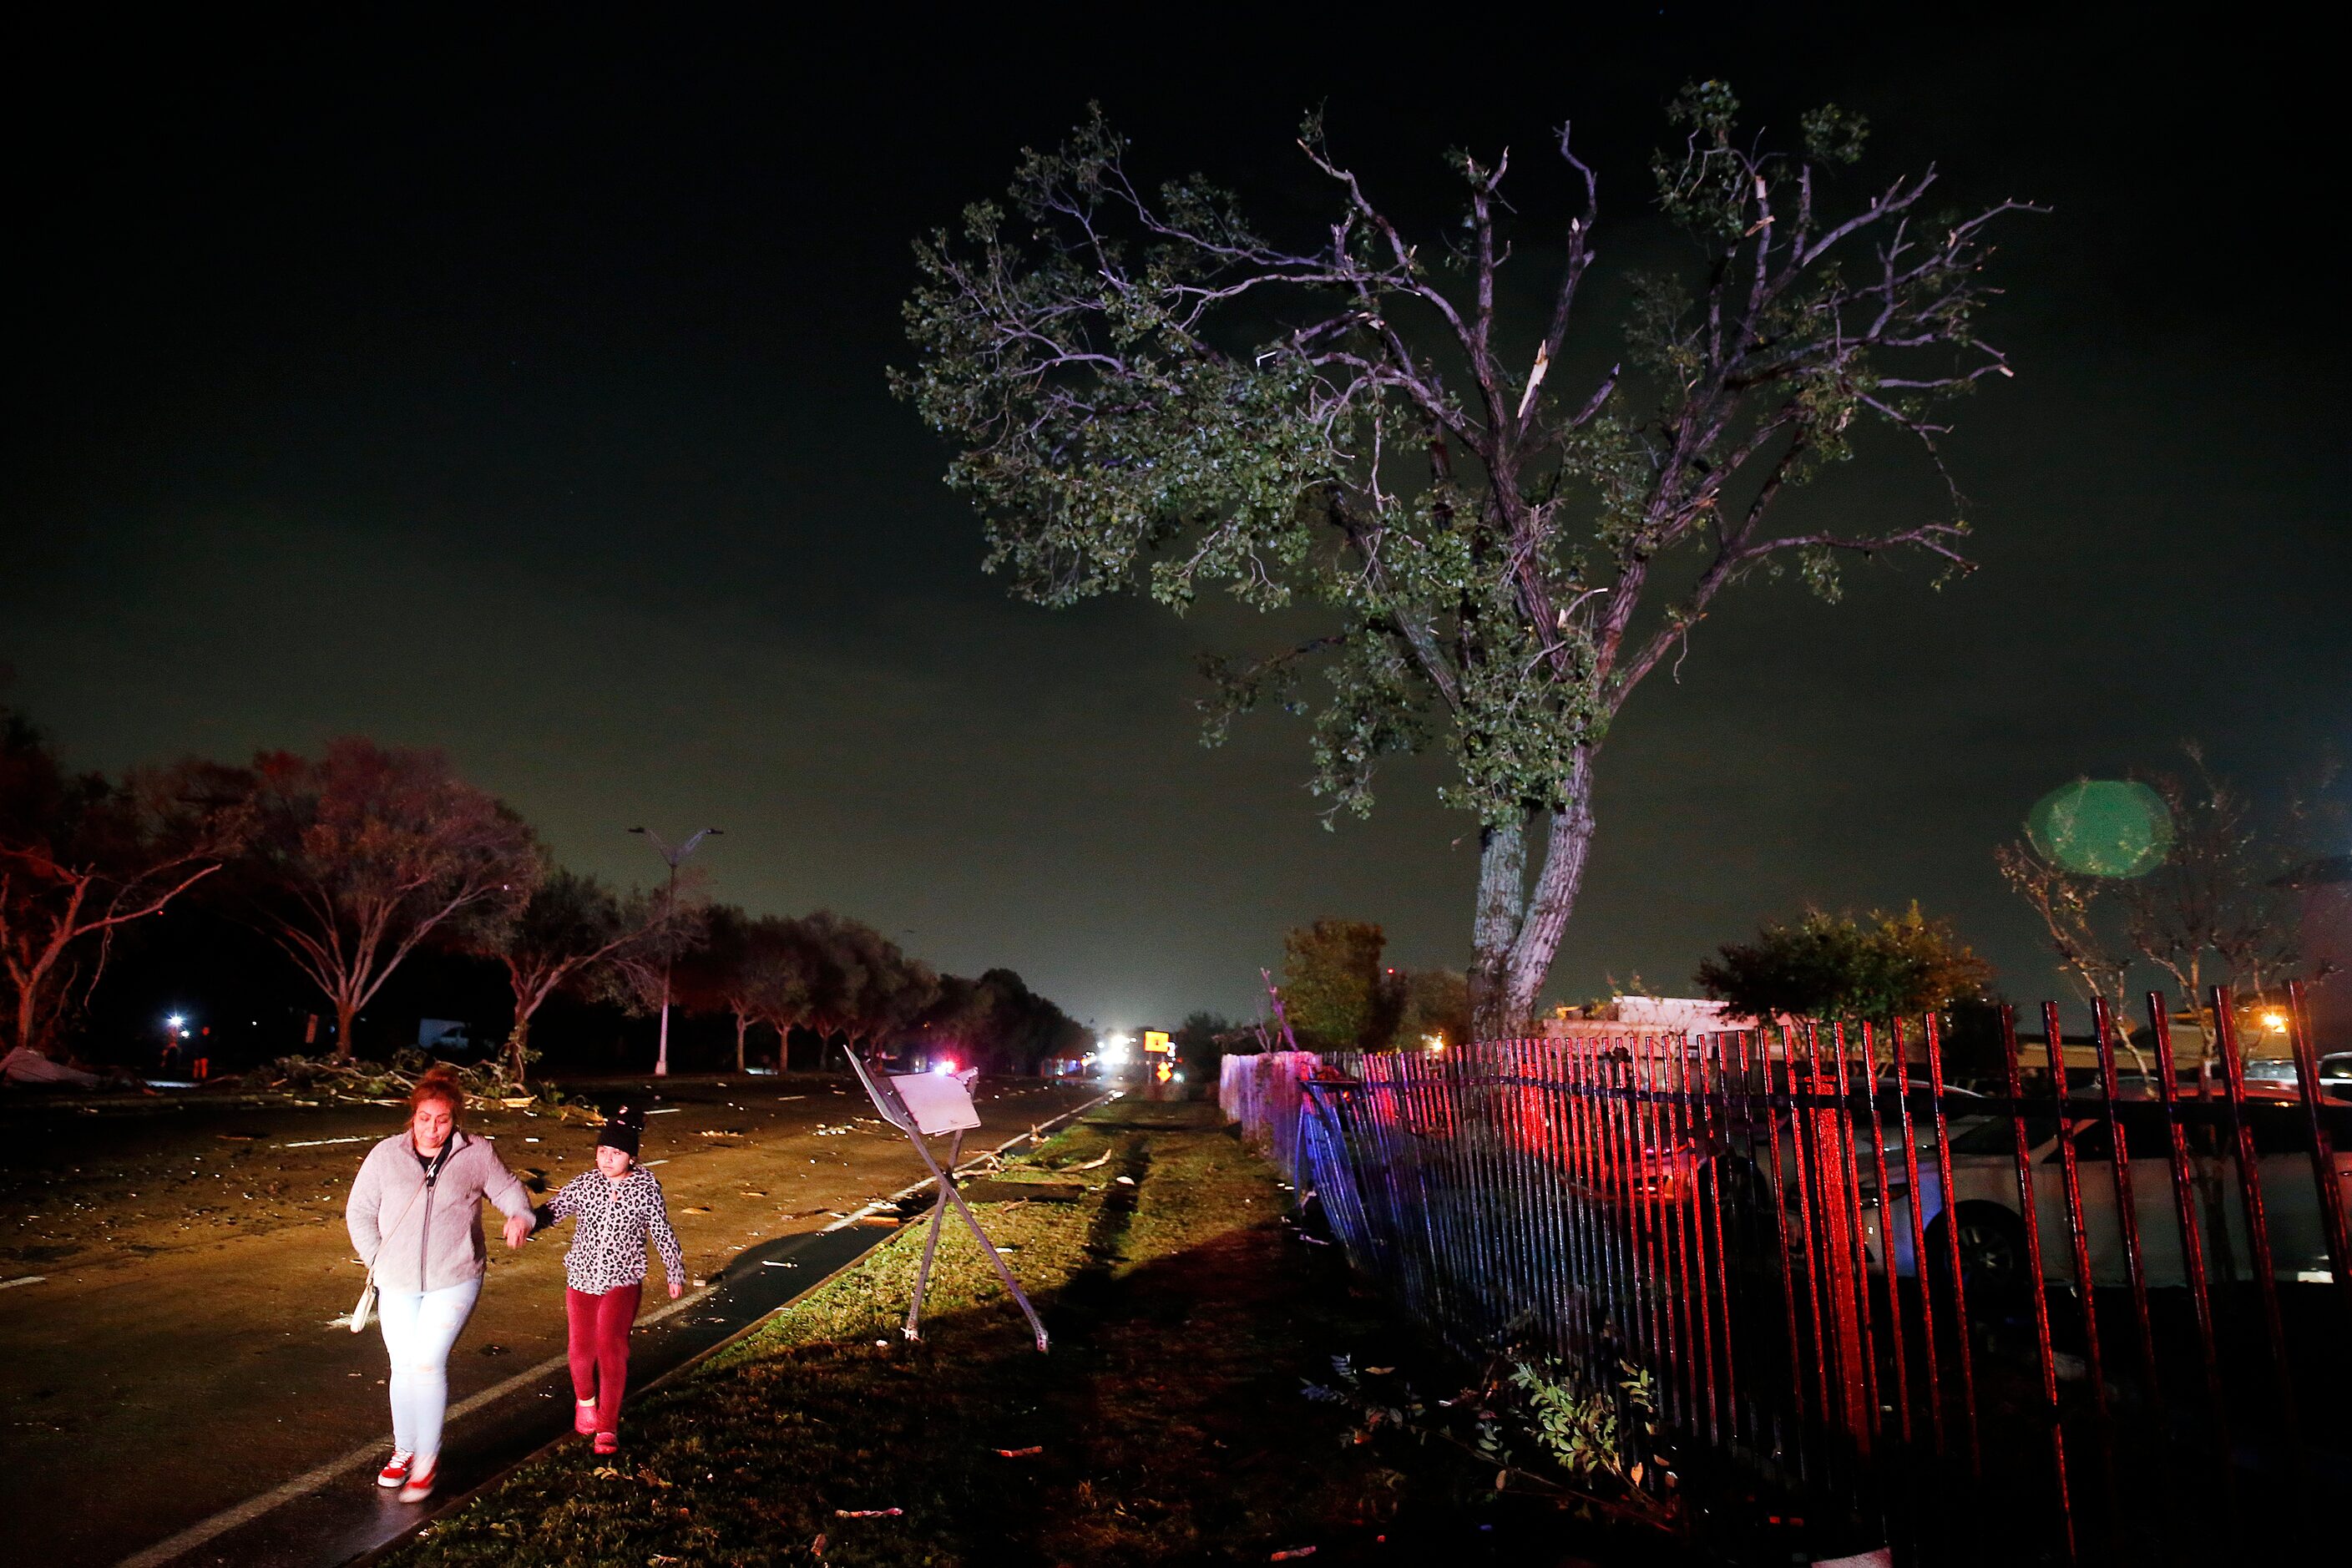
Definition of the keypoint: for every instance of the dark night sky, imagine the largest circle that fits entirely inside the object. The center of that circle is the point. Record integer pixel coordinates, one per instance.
(519, 392)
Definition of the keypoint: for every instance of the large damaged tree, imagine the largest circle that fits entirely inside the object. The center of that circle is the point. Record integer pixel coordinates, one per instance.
(1141, 385)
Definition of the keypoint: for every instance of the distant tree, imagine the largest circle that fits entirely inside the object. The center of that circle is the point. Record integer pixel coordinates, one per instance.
(1833, 966)
(1142, 385)
(1198, 1042)
(81, 856)
(1025, 1028)
(962, 1018)
(729, 972)
(997, 1022)
(1435, 1002)
(2219, 907)
(783, 970)
(1332, 986)
(864, 986)
(570, 930)
(360, 855)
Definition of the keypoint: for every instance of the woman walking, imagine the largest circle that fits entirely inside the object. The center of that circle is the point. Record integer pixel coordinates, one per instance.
(614, 1208)
(415, 1214)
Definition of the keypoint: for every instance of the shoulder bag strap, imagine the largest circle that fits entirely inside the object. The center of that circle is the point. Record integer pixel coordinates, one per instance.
(385, 1234)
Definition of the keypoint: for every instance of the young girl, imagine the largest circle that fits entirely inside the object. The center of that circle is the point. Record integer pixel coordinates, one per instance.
(614, 1208)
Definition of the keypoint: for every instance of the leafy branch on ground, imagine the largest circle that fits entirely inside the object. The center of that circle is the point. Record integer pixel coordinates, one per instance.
(349, 1077)
(1592, 1450)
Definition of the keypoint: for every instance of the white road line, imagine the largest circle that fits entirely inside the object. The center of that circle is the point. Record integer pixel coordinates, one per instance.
(310, 1480)
(322, 1143)
(22, 1280)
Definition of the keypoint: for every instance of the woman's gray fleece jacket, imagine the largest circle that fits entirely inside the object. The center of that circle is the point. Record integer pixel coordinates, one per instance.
(421, 1240)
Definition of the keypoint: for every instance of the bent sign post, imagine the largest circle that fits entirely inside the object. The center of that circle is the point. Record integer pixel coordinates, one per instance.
(925, 1105)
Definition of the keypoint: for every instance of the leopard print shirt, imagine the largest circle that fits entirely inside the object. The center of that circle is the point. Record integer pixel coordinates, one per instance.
(611, 1222)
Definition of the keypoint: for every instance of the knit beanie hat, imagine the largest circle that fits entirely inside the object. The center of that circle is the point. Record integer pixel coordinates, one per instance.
(624, 1125)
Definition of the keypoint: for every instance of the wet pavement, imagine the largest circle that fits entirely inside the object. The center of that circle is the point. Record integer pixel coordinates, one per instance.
(339, 1515)
(177, 1366)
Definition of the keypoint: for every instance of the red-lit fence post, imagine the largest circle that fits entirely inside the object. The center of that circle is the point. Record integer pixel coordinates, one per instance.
(2192, 1242)
(1867, 1346)
(2079, 1239)
(1964, 1352)
(2323, 1148)
(1838, 1219)
(2250, 1194)
(2126, 1206)
(1895, 1349)
(1914, 1203)
(2033, 1286)
(1714, 1146)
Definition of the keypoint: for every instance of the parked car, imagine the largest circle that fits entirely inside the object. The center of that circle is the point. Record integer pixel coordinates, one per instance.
(1991, 1224)
(2278, 1074)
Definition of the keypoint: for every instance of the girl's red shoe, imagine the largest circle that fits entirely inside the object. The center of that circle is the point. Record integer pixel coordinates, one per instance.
(608, 1442)
(583, 1417)
(420, 1483)
(395, 1469)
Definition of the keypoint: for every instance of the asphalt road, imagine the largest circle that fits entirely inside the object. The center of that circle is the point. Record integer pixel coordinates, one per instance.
(176, 1359)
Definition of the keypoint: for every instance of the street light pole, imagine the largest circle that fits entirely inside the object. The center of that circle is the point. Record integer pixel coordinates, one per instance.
(674, 858)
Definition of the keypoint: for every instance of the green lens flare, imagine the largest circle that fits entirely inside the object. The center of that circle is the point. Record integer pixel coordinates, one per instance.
(2102, 827)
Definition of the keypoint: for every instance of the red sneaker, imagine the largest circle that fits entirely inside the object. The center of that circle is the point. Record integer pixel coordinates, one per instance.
(395, 1469)
(420, 1483)
(608, 1442)
(583, 1417)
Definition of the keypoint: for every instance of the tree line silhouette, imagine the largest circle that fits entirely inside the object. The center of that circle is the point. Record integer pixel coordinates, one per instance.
(352, 861)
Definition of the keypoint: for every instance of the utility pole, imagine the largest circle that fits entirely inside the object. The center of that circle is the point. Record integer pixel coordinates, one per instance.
(674, 858)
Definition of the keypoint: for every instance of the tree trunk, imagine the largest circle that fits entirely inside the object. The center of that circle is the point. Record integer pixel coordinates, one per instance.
(344, 1015)
(742, 1024)
(1515, 935)
(25, 1008)
(518, 1047)
(1569, 844)
(1502, 875)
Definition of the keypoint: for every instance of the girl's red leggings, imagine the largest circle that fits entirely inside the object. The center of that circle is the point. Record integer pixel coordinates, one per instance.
(600, 1346)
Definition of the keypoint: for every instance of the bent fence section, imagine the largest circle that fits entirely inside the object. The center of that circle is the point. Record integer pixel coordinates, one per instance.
(1264, 1094)
(2078, 1356)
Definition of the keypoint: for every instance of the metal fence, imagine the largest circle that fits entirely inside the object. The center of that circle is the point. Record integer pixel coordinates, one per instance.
(2123, 1338)
(1264, 1094)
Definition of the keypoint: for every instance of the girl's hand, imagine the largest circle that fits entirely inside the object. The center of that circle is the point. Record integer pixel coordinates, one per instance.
(676, 1289)
(519, 1229)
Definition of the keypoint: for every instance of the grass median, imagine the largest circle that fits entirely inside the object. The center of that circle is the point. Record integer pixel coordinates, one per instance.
(1166, 1426)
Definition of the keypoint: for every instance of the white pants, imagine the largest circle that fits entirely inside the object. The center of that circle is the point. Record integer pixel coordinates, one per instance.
(419, 1327)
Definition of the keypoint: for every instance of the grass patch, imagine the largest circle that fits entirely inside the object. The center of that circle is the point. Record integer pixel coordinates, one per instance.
(1168, 1421)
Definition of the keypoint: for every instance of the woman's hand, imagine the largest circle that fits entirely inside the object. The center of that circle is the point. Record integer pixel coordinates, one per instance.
(519, 1229)
(676, 1289)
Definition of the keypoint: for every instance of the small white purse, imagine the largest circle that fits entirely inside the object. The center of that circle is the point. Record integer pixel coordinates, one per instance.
(367, 1302)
